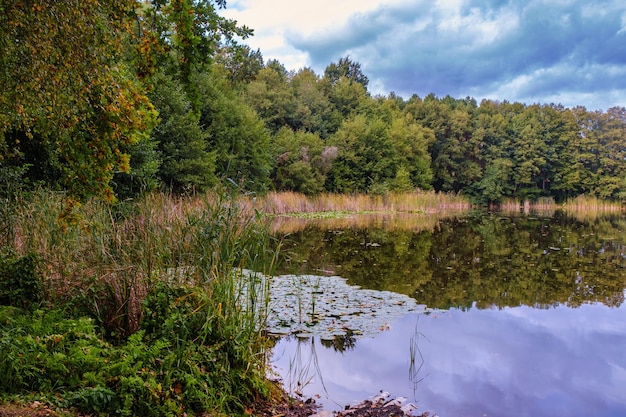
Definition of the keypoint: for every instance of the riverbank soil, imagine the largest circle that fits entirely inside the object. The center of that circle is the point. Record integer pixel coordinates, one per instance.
(36, 409)
(378, 406)
(284, 407)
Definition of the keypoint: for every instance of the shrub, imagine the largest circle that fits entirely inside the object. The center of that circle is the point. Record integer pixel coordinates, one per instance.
(20, 284)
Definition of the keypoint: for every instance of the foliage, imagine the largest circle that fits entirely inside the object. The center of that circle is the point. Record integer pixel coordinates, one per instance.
(151, 314)
(270, 97)
(187, 162)
(20, 282)
(347, 68)
(68, 101)
(235, 133)
(301, 163)
(184, 36)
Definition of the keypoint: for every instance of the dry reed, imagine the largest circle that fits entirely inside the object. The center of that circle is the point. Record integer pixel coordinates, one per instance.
(284, 203)
(115, 253)
(582, 207)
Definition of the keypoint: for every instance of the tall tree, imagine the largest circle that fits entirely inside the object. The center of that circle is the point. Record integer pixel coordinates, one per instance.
(312, 109)
(67, 98)
(366, 158)
(183, 35)
(235, 133)
(529, 153)
(347, 68)
(612, 155)
(301, 161)
(187, 162)
(455, 152)
(411, 141)
(270, 96)
(241, 64)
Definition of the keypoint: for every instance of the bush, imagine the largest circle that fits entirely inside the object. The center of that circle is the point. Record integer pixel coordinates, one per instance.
(20, 284)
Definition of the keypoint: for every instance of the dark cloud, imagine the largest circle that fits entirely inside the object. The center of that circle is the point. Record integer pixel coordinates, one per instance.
(530, 51)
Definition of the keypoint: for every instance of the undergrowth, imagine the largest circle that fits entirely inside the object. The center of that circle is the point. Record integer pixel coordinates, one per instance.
(141, 309)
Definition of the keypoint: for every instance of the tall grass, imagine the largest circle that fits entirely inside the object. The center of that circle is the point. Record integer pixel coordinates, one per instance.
(581, 207)
(418, 202)
(584, 203)
(164, 271)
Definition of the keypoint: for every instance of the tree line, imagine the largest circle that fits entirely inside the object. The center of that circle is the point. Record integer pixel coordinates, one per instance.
(110, 98)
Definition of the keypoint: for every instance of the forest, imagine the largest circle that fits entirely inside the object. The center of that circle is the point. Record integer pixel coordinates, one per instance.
(114, 98)
(134, 139)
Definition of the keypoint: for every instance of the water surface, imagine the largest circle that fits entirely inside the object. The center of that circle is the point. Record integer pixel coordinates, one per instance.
(530, 318)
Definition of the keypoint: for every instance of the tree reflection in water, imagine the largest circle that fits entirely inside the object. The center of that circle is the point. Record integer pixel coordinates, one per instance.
(535, 314)
(480, 261)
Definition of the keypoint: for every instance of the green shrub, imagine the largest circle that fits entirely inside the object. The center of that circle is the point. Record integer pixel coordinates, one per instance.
(20, 284)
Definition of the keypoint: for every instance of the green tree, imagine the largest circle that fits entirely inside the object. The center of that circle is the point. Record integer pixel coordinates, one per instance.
(241, 64)
(312, 109)
(366, 156)
(187, 162)
(402, 182)
(184, 36)
(347, 68)
(456, 155)
(66, 91)
(612, 154)
(579, 173)
(411, 141)
(270, 96)
(235, 133)
(529, 155)
(349, 98)
(492, 132)
(495, 185)
(300, 162)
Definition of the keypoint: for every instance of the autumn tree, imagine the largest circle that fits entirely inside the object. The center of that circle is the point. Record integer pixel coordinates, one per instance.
(68, 100)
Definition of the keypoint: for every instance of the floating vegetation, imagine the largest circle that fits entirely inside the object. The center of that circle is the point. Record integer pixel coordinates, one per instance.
(327, 307)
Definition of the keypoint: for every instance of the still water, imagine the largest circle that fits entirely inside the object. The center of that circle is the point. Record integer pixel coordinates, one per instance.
(528, 315)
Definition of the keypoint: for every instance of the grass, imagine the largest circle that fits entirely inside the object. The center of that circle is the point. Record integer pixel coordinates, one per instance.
(289, 203)
(141, 307)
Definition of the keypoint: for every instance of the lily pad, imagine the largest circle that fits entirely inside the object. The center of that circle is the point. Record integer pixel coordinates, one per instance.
(328, 307)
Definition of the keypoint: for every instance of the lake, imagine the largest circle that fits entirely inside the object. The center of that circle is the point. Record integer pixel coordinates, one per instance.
(524, 315)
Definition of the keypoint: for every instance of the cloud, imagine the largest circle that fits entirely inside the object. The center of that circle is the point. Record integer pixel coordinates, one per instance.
(571, 51)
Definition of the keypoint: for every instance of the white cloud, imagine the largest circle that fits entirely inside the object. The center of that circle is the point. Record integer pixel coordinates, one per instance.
(537, 51)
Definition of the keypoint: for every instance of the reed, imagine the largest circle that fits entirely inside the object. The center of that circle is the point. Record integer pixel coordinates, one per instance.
(584, 203)
(185, 257)
(285, 203)
(581, 207)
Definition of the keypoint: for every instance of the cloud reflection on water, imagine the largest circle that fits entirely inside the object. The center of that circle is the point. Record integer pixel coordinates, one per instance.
(502, 362)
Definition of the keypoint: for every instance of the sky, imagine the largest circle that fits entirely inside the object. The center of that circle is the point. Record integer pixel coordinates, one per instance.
(569, 52)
